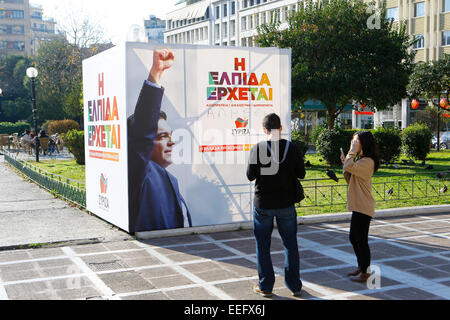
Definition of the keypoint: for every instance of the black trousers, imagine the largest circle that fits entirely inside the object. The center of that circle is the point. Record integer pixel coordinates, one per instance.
(359, 238)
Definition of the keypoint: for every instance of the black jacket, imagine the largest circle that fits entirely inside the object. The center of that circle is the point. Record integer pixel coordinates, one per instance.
(275, 179)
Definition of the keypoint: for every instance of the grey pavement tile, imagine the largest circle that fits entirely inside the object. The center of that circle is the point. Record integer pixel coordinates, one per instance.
(403, 219)
(124, 282)
(202, 267)
(310, 254)
(170, 281)
(46, 253)
(319, 277)
(211, 254)
(410, 294)
(401, 264)
(148, 296)
(443, 216)
(10, 256)
(221, 236)
(124, 245)
(362, 297)
(89, 248)
(324, 262)
(151, 273)
(344, 285)
(431, 261)
(240, 266)
(444, 268)
(180, 240)
(218, 275)
(241, 290)
(191, 294)
(429, 273)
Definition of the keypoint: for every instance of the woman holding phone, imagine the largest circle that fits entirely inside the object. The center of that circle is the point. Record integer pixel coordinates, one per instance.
(360, 164)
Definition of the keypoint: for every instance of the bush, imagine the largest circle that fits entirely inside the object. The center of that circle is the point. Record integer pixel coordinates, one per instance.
(60, 126)
(10, 128)
(317, 131)
(416, 141)
(389, 142)
(329, 143)
(300, 141)
(74, 140)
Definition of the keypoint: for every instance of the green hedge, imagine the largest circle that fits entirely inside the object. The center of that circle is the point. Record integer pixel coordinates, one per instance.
(416, 141)
(389, 142)
(299, 140)
(74, 140)
(11, 128)
(329, 142)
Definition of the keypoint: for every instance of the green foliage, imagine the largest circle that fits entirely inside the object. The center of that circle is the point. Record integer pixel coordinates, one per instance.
(74, 140)
(10, 128)
(389, 142)
(431, 80)
(15, 103)
(416, 141)
(329, 143)
(316, 133)
(340, 58)
(61, 126)
(299, 140)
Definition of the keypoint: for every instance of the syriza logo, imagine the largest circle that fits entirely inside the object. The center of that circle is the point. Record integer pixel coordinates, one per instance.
(241, 127)
(103, 201)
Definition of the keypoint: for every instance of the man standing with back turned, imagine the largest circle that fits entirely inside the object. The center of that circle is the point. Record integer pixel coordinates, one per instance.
(275, 164)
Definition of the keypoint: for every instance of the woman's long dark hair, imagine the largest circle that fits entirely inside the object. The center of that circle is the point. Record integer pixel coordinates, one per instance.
(369, 147)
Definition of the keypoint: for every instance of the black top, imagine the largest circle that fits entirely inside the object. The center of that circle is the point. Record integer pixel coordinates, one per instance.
(275, 178)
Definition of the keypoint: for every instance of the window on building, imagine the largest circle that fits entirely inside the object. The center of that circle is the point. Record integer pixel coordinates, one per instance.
(446, 38)
(419, 41)
(11, 14)
(225, 9)
(446, 6)
(392, 14)
(252, 2)
(245, 4)
(233, 7)
(232, 28)
(217, 12)
(419, 9)
(207, 13)
(217, 31)
(225, 29)
(250, 22)
(244, 23)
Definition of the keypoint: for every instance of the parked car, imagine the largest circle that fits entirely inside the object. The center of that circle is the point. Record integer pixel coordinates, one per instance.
(444, 142)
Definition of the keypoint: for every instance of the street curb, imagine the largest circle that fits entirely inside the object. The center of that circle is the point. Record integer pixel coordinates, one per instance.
(323, 218)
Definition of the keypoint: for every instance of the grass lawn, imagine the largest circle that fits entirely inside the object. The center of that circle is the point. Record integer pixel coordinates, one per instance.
(66, 168)
(425, 187)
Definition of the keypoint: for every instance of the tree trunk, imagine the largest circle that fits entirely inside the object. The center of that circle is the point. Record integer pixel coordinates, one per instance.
(331, 115)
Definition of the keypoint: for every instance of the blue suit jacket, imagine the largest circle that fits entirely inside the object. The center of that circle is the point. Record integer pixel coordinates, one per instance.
(155, 201)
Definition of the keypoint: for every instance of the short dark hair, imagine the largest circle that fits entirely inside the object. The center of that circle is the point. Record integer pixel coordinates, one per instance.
(272, 122)
(162, 115)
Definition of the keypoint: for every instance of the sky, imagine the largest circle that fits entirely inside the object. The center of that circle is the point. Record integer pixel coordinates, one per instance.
(116, 17)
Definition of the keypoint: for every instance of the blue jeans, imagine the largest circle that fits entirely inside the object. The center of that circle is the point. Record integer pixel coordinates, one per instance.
(287, 227)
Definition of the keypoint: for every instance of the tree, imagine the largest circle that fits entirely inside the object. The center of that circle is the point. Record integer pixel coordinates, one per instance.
(59, 72)
(431, 81)
(15, 98)
(339, 58)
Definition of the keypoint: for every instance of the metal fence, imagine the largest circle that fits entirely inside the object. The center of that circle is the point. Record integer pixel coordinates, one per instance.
(69, 189)
(322, 192)
(318, 192)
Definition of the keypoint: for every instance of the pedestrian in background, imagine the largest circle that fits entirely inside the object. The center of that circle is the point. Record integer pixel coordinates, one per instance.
(276, 165)
(358, 174)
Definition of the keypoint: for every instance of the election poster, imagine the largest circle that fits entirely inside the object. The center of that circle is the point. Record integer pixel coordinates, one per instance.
(169, 130)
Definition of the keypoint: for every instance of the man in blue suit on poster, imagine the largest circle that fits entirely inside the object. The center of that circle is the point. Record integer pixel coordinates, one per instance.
(155, 201)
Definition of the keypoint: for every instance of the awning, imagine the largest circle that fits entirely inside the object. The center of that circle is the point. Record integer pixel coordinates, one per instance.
(190, 12)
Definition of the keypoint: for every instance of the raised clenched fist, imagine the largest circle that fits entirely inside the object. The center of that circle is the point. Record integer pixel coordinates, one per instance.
(162, 60)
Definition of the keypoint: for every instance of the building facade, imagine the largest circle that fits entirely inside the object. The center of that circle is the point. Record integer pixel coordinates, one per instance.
(23, 27)
(154, 29)
(235, 22)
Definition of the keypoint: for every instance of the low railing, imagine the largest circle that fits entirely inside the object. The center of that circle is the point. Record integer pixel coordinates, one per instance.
(69, 189)
(322, 192)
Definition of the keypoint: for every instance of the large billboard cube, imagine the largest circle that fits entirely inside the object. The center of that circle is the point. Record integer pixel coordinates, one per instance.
(168, 131)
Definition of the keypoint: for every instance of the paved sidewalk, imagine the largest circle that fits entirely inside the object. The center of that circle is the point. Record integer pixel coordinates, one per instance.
(411, 255)
(29, 215)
